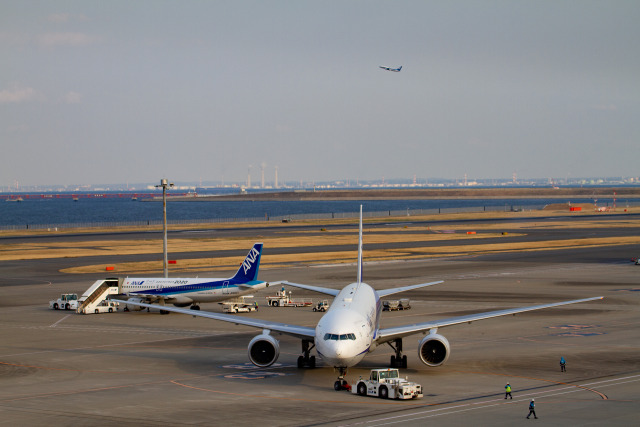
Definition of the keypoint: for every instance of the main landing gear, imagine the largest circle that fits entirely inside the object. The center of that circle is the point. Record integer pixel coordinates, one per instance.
(305, 359)
(341, 383)
(398, 360)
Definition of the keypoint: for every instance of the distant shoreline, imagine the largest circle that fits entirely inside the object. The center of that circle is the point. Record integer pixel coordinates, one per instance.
(407, 194)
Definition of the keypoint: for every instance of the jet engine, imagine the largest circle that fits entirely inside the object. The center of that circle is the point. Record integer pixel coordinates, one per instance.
(433, 350)
(135, 307)
(264, 350)
(182, 304)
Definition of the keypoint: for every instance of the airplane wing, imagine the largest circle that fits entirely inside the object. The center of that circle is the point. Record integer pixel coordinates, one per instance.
(293, 330)
(390, 334)
(385, 292)
(320, 289)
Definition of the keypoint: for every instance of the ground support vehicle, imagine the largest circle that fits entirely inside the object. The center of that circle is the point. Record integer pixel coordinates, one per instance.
(392, 305)
(106, 306)
(65, 302)
(234, 307)
(387, 384)
(322, 306)
(239, 305)
(94, 299)
(283, 299)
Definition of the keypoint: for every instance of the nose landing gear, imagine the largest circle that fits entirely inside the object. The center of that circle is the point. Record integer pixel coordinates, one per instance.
(341, 383)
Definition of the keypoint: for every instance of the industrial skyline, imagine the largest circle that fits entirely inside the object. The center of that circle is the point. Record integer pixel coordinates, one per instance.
(276, 184)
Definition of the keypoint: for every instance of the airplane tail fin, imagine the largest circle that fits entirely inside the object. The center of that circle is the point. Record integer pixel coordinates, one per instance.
(400, 68)
(360, 249)
(248, 270)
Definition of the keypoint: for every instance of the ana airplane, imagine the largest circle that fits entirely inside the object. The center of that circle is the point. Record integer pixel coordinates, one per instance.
(184, 292)
(351, 328)
(395, 70)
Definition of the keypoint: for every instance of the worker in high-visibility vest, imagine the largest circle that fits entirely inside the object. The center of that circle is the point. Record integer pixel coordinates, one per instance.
(563, 365)
(507, 391)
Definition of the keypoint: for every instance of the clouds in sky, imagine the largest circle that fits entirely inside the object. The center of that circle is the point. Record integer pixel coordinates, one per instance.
(132, 91)
(17, 93)
(66, 39)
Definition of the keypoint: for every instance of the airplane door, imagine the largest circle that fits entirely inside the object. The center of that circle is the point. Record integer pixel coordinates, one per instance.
(225, 287)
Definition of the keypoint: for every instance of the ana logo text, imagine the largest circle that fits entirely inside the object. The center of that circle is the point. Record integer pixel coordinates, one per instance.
(250, 259)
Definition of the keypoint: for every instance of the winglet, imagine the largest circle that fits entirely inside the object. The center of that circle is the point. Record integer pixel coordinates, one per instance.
(360, 249)
(248, 270)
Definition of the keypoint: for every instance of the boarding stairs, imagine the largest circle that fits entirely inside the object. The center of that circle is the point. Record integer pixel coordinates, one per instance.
(96, 293)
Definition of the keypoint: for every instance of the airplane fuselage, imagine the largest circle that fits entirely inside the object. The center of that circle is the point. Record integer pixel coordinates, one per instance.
(347, 332)
(185, 291)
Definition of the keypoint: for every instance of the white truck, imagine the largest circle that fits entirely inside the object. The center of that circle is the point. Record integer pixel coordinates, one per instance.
(65, 302)
(387, 384)
(106, 306)
(235, 307)
(239, 305)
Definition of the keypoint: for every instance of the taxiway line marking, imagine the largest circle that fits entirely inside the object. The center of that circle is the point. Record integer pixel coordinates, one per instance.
(603, 396)
(487, 403)
(56, 324)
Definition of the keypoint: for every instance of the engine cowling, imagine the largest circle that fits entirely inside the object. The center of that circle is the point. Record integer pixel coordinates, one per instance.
(264, 350)
(182, 304)
(433, 350)
(135, 307)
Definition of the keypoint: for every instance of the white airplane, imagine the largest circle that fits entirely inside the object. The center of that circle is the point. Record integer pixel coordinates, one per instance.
(395, 70)
(351, 328)
(183, 292)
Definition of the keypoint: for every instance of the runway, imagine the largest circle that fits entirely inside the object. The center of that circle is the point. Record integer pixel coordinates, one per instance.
(143, 368)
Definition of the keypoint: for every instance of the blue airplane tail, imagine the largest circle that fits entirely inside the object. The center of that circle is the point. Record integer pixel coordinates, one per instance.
(248, 270)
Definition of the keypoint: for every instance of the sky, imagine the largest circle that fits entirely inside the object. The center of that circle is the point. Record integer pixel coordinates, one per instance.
(134, 91)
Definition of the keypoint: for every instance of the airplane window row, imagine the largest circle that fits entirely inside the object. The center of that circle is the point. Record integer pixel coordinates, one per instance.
(336, 337)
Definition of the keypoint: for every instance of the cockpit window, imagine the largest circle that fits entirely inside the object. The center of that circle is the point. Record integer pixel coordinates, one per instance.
(341, 337)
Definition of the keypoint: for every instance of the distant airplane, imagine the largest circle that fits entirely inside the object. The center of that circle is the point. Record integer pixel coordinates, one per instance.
(395, 70)
(351, 328)
(183, 292)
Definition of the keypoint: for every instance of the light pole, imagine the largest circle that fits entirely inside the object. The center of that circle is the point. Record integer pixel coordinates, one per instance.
(164, 184)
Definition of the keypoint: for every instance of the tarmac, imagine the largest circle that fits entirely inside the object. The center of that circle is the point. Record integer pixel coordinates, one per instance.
(138, 368)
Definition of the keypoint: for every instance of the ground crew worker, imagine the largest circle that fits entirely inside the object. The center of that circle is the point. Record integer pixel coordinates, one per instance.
(563, 364)
(532, 409)
(507, 391)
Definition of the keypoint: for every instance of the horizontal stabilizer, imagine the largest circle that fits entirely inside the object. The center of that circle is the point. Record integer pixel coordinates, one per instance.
(385, 292)
(245, 286)
(322, 290)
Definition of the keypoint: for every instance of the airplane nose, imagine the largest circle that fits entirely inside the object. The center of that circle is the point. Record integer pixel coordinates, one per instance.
(336, 349)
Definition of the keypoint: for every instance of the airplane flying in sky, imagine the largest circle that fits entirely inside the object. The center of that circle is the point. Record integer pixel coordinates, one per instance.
(183, 292)
(350, 329)
(392, 69)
